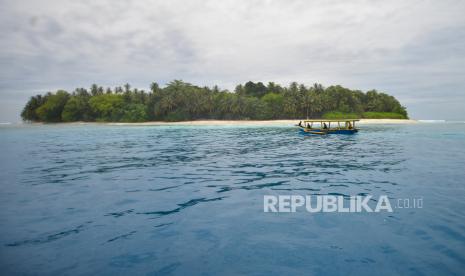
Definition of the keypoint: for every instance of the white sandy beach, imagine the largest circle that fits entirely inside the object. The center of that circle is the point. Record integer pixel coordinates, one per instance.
(259, 123)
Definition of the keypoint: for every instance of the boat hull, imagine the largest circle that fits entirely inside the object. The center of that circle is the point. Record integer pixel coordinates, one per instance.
(315, 131)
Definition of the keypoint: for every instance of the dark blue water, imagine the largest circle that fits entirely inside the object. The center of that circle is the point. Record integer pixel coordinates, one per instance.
(189, 200)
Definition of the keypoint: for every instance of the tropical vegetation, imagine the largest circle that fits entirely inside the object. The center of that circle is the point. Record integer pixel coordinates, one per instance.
(179, 101)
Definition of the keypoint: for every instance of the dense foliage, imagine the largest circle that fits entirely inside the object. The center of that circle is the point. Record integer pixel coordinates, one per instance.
(365, 115)
(180, 101)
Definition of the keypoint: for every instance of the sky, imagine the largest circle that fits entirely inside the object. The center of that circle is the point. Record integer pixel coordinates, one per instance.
(414, 50)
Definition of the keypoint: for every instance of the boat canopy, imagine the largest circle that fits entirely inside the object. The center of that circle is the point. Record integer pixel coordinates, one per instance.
(330, 121)
(323, 126)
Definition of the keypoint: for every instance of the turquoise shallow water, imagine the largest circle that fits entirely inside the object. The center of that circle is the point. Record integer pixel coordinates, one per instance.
(82, 199)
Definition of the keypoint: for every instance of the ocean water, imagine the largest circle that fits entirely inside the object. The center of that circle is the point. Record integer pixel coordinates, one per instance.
(180, 200)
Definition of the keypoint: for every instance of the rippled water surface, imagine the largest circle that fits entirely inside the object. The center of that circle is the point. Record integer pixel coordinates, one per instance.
(81, 199)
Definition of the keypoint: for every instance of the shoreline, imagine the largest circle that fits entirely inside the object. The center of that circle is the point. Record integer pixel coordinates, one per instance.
(276, 123)
(240, 122)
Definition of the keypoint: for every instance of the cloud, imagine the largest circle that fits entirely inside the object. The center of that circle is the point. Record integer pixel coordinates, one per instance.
(411, 49)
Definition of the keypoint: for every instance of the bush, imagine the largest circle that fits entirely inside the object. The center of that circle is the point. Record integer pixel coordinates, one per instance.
(135, 113)
(76, 109)
(176, 116)
(107, 107)
(51, 110)
(335, 115)
(383, 115)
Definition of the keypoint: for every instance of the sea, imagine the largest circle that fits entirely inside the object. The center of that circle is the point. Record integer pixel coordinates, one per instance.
(189, 200)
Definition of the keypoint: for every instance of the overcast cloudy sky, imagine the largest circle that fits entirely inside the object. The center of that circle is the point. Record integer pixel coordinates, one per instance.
(414, 50)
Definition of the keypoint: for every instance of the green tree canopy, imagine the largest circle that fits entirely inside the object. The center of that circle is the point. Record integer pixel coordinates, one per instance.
(107, 107)
(180, 100)
(51, 109)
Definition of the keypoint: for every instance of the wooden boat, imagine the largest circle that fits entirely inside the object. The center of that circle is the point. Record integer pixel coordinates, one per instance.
(324, 127)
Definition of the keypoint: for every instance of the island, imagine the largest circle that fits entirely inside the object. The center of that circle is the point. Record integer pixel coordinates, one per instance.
(180, 101)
